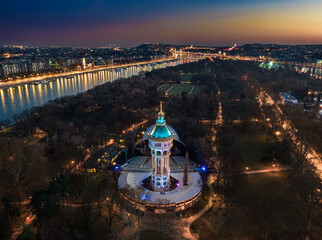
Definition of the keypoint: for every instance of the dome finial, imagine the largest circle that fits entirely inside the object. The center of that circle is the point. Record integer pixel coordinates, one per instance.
(160, 115)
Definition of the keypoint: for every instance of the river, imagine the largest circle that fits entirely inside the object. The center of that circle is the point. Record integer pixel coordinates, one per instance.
(16, 99)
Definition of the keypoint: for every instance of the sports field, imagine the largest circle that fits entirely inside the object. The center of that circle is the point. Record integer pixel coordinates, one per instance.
(177, 89)
(185, 77)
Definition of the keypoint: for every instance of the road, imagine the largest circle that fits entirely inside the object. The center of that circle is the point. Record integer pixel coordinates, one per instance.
(268, 170)
(214, 131)
(110, 142)
(312, 156)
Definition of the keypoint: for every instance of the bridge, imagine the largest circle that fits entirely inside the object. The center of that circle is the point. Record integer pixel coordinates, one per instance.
(312, 69)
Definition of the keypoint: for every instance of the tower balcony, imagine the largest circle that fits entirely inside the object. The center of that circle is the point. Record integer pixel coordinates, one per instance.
(160, 145)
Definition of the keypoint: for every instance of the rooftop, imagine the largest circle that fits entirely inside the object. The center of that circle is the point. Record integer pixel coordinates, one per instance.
(160, 129)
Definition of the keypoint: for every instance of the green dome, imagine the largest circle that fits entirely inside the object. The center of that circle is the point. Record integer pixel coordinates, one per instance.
(161, 131)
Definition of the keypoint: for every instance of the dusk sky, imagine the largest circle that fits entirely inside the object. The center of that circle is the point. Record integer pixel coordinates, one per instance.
(129, 23)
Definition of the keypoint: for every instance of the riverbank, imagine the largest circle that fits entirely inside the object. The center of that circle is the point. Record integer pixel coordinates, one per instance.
(64, 74)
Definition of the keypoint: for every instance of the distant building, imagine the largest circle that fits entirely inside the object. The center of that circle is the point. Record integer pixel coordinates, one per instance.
(287, 98)
(22, 66)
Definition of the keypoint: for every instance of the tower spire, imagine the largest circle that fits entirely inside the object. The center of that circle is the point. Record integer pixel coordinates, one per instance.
(160, 120)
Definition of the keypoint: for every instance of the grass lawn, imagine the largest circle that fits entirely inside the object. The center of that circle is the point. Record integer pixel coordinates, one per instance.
(252, 145)
(198, 89)
(179, 88)
(185, 77)
(258, 196)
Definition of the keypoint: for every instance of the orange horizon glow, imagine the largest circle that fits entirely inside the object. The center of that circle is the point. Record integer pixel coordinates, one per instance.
(299, 23)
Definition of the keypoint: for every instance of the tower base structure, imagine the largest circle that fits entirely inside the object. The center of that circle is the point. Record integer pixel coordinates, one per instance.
(133, 187)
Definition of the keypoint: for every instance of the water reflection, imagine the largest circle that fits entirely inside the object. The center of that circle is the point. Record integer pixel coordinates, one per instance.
(18, 98)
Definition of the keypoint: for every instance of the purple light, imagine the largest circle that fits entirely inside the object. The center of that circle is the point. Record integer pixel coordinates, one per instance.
(178, 184)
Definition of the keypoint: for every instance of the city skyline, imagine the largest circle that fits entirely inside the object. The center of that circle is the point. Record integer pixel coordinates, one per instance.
(125, 23)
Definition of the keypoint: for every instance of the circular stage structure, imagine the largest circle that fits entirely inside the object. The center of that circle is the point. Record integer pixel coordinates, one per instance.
(131, 186)
(147, 183)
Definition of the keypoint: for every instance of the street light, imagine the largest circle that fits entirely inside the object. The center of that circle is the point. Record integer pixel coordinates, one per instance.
(278, 133)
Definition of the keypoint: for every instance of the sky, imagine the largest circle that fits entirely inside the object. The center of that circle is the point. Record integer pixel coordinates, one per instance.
(129, 23)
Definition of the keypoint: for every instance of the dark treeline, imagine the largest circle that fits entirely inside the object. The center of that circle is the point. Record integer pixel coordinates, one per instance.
(46, 139)
(71, 206)
(273, 206)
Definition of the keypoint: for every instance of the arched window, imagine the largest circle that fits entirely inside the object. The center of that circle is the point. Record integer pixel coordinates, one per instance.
(158, 153)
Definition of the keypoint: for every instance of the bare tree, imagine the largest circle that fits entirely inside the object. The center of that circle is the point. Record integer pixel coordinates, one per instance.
(112, 207)
(19, 157)
(165, 219)
(307, 189)
(133, 216)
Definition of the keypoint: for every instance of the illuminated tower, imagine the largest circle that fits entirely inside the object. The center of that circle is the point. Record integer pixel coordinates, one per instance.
(160, 143)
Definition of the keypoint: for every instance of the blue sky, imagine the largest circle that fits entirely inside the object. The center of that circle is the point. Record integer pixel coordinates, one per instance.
(100, 22)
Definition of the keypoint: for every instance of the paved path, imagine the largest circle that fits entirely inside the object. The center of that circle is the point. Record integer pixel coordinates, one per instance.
(187, 221)
(268, 170)
(169, 89)
(191, 90)
(160, 87)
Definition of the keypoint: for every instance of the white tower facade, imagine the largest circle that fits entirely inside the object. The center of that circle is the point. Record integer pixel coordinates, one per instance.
(160, 143)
